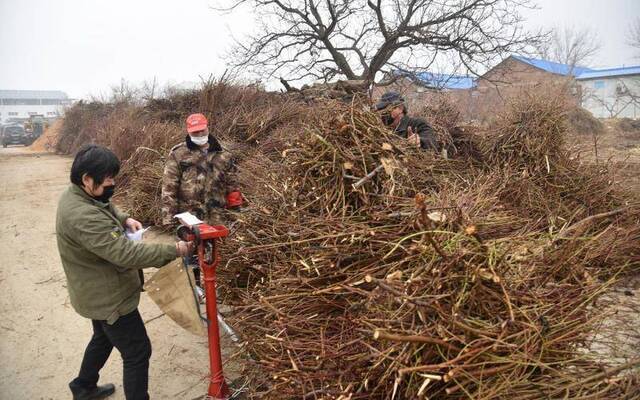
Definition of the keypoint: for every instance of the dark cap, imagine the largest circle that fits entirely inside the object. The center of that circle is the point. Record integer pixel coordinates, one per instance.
(389, 98)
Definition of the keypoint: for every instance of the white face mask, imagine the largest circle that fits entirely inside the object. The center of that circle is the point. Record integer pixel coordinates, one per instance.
(199, 140)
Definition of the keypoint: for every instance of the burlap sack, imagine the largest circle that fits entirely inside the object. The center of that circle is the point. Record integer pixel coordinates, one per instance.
(169, 288)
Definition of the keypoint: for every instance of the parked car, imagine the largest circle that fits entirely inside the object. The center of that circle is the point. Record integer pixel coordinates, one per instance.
(15, 134)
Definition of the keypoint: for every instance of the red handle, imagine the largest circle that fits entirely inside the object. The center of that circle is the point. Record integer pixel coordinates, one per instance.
(234, 199)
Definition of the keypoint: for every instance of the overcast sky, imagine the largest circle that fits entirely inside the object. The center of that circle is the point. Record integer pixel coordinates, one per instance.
(84, 46)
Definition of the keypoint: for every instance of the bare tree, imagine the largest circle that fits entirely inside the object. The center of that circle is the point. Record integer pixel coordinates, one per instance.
(125, 92)
(615, 102)
(571, 46)
(633, 36)
(365, 39)
(131, 93)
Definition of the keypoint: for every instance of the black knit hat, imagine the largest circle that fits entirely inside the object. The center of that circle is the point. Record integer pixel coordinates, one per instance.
(389, 98)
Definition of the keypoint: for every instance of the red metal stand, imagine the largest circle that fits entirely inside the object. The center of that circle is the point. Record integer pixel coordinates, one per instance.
(206, 237)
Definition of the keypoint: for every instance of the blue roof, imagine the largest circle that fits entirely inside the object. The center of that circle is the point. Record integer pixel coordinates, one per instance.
(610, 72)
(553, 67)
(442, 81)
(446, 81)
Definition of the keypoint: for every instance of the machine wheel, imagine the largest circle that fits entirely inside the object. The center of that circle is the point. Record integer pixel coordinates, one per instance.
(4, 145)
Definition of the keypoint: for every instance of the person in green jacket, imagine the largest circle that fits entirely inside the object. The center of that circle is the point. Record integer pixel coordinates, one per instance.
(103, 270)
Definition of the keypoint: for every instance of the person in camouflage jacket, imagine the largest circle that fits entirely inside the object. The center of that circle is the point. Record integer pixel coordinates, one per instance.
(198, 176)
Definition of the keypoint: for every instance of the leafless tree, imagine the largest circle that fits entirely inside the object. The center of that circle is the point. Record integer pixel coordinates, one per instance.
(125, 92)
(366, 39)
(633, 36)
(571, 46)
(131, 93)
(149, 89)
(615, 102)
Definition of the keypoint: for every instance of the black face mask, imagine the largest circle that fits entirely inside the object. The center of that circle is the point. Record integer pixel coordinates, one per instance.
(106, 194)
(387, 119)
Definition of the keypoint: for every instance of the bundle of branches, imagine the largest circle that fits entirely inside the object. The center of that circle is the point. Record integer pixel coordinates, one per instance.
(80, 125)
(144, 144)
(582, 122)
(630, 128)
(253, 122)
(221, 100)
(441, 111)
(529, 136)
(540, 178)
(214, 98)
(173, 107)
(142, 135)
(444, 115)
(140, 179)
(374, 270)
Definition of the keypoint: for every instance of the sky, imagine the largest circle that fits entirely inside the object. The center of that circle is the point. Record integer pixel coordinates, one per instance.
(610, 19)
(84, 47)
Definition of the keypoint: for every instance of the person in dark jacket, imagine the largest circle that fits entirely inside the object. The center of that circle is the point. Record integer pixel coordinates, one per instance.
(103, 271)
(393, 111)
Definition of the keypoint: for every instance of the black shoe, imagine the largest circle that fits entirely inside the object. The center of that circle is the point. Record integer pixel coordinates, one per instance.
(99, 392)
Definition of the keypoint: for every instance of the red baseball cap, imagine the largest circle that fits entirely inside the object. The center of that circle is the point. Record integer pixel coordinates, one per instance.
(196, 122)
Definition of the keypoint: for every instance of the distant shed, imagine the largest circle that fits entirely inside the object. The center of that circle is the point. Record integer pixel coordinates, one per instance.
(518, 70)
(612, 93)
(16, 105)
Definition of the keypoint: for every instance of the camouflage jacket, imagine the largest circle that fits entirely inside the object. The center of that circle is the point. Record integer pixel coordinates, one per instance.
(197, 181)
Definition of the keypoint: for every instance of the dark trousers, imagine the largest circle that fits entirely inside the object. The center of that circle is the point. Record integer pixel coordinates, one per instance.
(129, 336)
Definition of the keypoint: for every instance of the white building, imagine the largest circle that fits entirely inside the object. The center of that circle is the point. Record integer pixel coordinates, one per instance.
(611, 93)
(20, 104)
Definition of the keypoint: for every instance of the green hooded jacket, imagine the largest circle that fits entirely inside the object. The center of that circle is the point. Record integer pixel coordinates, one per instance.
(101, 264)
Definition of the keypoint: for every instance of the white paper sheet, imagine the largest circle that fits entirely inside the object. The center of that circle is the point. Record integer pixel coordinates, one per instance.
(136, 236)
(188, 219)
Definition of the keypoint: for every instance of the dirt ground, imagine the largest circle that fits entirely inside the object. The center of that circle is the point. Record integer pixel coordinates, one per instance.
(616, 339)
(613, 146)
(42, 339)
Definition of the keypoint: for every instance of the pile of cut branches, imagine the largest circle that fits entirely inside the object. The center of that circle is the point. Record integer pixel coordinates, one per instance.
(367, 269)
(141, 135)
(363, 268)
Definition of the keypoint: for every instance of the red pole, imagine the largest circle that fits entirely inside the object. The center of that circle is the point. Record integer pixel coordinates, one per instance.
(218, 388)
